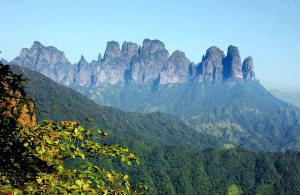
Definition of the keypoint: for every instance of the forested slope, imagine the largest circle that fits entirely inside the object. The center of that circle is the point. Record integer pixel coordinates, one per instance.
(180, 170)
(156, 128)
(167, 168)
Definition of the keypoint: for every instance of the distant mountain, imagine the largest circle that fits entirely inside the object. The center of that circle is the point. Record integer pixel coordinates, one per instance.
(150, 63)
(290, 97)
(218, 96)
(240, 111)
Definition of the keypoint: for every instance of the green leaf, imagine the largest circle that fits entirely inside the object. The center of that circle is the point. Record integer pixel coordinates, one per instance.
(125, 178)
(60, 168)
(82, 156)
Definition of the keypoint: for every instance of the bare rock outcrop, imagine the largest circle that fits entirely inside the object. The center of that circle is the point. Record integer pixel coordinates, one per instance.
(111, 69)
(248, 69)
(211, 67)
(4, 61)
(232, 67)
(146, 66)
(152, 46)
(83, 76)
(46, 60)
(176, 69)
(129, 49)
(148, 63)
(19, 107)
(112, 50)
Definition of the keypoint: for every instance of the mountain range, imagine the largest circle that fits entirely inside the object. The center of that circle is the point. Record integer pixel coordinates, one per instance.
(218, 96)
(149, 63)
(171, 162)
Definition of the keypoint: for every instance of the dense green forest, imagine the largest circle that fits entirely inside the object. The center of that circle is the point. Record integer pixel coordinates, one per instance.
(180, 170)
(175, 159)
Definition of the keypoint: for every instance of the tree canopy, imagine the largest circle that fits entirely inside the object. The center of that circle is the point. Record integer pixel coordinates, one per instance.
(32, 155)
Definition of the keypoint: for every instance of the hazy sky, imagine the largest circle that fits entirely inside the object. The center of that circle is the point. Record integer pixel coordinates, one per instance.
(268, 30)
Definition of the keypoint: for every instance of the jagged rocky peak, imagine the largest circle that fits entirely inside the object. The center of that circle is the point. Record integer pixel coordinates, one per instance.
(248, 69)
(83, 76)
(232, 67)
(130, 48)
(112, 50)
(176, 69)
(96, 64)
(99, 57)
(39, 53)
(4, 61)
(178, 55)
(50, 53)
(216, 66)
(24, 52)
(147, 65)
(46, 60)
(142, 64)
(192, 69)
(37, 45)
(233, 51)
(82, 60)
(211, 67)
(152, 46)
(213, 52)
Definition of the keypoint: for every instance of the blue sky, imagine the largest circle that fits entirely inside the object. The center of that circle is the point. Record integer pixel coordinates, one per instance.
(267, 30)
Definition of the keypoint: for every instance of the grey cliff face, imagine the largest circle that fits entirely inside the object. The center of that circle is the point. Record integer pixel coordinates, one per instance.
(248, 69)
(192, 70)
(129, 49)
(111, 69)
(105, 74)
(5, 62)
(146, 66)
(150, 63)
(152, 46)
(211, 67)
(232, 67)
(99, 57)
(47, 60)
(112, 50)
(84, 72)
(176, 69)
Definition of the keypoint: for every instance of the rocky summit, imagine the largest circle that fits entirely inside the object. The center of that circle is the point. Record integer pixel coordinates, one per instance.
(46, 60)
(149, 63)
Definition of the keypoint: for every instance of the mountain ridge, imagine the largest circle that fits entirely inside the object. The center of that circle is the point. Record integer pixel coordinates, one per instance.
(133, 63)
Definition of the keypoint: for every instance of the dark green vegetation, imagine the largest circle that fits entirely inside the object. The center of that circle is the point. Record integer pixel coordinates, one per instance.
(168, 169)
(179, 170)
